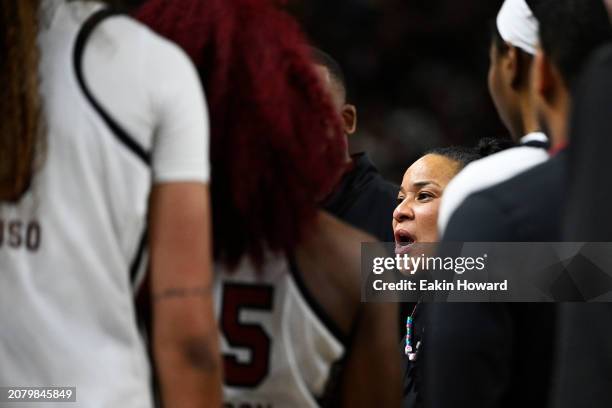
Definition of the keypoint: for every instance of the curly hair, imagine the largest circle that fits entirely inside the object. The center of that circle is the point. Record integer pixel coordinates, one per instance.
(277, 146)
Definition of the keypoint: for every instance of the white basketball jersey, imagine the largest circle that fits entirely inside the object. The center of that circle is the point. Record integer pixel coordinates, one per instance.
(70, 249)
(277, 351)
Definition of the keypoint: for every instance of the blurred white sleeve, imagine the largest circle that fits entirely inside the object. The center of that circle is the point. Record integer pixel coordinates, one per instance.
(181, 140)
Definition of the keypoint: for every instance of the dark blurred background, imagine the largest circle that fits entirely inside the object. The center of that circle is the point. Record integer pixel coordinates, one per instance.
(416, 69)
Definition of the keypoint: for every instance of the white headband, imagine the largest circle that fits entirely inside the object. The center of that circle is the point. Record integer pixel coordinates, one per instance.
(517, 25)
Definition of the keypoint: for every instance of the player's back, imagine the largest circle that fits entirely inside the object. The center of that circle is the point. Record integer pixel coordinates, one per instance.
(278, 352)
(71, 248)
(287, 329)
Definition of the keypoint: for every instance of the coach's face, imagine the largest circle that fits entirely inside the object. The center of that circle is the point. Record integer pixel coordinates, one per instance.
(416, 215)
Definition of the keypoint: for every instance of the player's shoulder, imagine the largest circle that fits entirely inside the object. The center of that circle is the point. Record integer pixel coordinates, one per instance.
(134, 36)
(488, 172)
(337, 247)
(138, 57)
(538, 183)
(339, 237)
(329, 260)
(522, 208)
(500, 164)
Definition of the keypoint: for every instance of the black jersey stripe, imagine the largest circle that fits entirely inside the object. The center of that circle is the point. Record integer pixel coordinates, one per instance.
(331, 395)
(316, 308)
(137, 260)
(536, 143)
(88, 27)
(81, 41)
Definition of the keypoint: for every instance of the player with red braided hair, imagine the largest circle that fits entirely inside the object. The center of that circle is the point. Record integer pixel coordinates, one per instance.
(294, 332)
(273, 131)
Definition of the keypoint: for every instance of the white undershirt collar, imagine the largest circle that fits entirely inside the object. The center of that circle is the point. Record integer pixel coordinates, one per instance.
(534, 137)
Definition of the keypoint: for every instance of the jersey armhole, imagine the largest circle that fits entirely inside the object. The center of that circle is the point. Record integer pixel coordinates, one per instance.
(327, 321)
(331, 396)
(136, 265)
(79, 49)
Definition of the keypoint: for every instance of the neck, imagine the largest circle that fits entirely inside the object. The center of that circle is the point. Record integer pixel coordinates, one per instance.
(529, 119)
(557, 117)
(558, 132)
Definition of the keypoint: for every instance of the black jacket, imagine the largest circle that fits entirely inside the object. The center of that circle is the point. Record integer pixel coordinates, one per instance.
(497, 354)
(584, 359)
(365, 200)
(526, 208)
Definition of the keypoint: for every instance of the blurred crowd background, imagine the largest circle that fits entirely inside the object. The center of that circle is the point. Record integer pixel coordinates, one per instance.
(416, 69)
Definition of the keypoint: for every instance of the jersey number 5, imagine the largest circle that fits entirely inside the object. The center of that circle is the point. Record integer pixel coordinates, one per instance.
(251, 336)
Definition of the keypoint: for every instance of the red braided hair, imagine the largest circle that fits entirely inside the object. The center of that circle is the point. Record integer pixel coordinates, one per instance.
(277, 145)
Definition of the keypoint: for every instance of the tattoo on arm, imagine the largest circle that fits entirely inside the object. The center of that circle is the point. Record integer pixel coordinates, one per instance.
(179, 293)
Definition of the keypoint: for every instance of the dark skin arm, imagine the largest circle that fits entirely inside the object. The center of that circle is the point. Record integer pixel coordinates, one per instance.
(372, 377)
(185, 335)
(331, 254)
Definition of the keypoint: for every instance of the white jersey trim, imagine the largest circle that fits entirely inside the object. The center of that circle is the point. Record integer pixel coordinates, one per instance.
(489, 171)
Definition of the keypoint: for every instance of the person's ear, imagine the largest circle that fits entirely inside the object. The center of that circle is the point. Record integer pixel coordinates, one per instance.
(512, 67)
(349, 118)
(543, 76)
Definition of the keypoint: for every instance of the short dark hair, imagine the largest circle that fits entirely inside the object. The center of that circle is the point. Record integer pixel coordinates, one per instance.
(465, 155)
(323, 59)
(496, 38)
(523, 58)
(570, 30)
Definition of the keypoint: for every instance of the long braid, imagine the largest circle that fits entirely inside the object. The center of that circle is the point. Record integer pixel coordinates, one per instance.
(20, 102)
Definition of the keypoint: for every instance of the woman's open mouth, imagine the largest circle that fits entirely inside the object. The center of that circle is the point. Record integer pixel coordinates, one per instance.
(403, 242)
